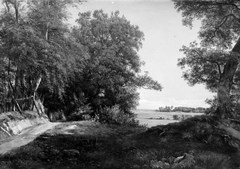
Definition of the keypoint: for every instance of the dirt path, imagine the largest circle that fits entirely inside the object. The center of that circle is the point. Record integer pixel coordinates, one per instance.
(25, 137)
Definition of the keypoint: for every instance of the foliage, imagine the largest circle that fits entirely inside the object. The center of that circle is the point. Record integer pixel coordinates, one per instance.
(213, 106)
(216, 16)
(49, 20)
(204, 65)
(175, 117)
(116, 116)
(35, 43)
(82, 113)
(112, 73)
(181, 117)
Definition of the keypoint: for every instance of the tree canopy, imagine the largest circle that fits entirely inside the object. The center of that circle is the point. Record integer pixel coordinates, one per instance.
(112, 72)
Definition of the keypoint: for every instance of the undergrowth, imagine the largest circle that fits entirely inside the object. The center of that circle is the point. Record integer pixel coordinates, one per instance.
(114, 147)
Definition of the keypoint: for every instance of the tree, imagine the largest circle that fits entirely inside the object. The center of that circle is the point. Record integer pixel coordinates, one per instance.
(112, 73)
(12, 49)
(215, 62)
(95, 63)
(48, 17)
(36, 48)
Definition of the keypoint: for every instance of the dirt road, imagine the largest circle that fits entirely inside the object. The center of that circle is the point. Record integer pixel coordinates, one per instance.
(25, 137)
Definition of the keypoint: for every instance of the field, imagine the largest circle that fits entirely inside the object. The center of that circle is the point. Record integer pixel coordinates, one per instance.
(153, 118)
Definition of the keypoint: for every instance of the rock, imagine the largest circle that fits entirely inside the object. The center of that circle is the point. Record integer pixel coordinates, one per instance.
(179, 159)
(187, 161)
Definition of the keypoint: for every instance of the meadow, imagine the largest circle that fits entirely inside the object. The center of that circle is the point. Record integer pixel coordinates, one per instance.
(152, 118)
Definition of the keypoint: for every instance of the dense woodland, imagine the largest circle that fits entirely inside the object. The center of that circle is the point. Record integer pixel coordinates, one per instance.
(84, 68)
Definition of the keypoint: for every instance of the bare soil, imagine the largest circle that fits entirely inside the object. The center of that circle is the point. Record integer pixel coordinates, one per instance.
(25, 137)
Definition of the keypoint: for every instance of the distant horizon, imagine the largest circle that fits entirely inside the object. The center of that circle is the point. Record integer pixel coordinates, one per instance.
(169, 106)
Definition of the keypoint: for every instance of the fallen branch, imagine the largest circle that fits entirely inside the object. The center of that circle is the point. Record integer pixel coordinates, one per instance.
(13, 97)
(230, 130)
(164, 130)
(25, 98)
(5, 131)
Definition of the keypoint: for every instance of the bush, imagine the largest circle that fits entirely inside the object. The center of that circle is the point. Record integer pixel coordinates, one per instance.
(181, 117)
(116, 116)
(175, 117)
(82, 113)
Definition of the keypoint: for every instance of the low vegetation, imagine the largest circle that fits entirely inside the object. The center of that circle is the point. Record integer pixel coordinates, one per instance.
(93, 145)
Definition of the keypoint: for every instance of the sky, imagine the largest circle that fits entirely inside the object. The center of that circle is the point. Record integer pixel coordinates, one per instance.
(164, 36)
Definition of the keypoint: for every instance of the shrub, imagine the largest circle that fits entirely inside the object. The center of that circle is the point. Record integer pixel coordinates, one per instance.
(82, 113)
(116, 116)
(181, 117)
(175, 117)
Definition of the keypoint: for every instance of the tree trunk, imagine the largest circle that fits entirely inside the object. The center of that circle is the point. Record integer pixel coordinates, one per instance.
(224, 88)
(14, 99)
(225, 84)
(35, 102)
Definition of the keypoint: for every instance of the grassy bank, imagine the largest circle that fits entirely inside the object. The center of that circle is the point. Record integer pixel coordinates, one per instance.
(92, 145)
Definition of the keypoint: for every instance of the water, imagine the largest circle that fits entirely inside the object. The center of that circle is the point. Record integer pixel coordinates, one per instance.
(144, 117)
